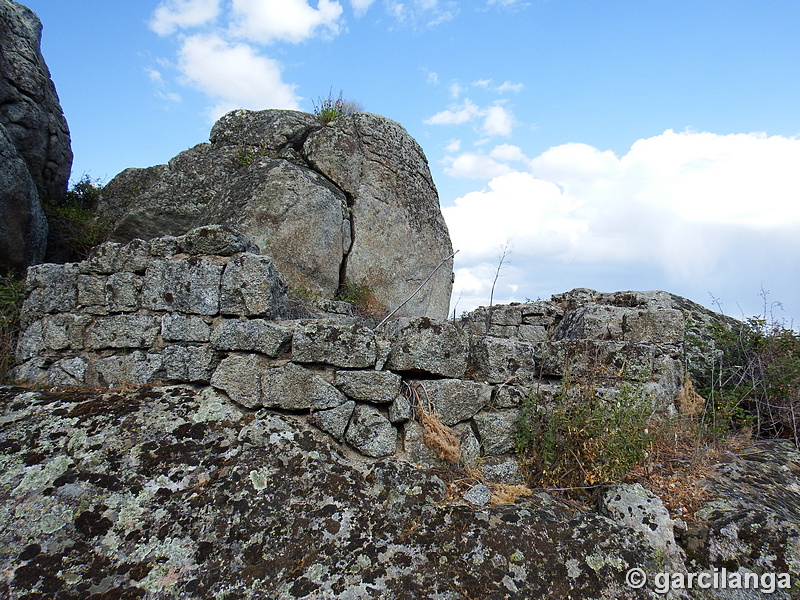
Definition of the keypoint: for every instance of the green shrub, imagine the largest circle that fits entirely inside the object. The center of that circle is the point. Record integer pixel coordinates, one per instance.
(74, 225)
(12, 294)
(363, 299)
(585, 438)
(753, 379)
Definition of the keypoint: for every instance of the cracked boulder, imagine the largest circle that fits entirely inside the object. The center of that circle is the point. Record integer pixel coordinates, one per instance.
(352, 201)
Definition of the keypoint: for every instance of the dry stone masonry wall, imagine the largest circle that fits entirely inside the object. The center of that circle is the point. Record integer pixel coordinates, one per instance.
(205, 308)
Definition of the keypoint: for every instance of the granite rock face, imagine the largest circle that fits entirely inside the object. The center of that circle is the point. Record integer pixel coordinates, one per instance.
(348, 202)
(35, 152)
(175, 492)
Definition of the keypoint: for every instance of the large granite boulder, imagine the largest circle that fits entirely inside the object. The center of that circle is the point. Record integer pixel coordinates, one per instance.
(349, 202)
(35, 153)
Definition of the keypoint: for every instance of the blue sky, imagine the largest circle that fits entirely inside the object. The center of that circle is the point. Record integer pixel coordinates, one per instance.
(646, 144)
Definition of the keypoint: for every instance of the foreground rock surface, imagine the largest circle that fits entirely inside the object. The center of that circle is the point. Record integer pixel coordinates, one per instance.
(348, 202)
(35, 153)
(175, 492)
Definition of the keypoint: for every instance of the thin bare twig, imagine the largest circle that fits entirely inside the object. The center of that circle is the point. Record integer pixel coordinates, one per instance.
(416, 291)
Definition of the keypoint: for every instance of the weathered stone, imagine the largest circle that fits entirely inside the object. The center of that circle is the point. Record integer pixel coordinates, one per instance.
(136, 368)
(400, 410)
(380, 387)
(252, 287)
(252, 381)
(111, 257)
(67, 372)
(51, 288)
(292, 387)
(497, 431)
(454, 400)
(400, 234)
(123, 331)
(478, 494)
(188, 285)
(371, 433)
(189, 477)
(35, 153)
(52, 333)
(423, 345)
(498, 360)
(640, 510)
(188, 363)
(257, 335)
(182, 328)
(349, 202)
(215, 239)
(501, 469)
(334, 420)
(100, 295)
(334, 343)
(239, 376)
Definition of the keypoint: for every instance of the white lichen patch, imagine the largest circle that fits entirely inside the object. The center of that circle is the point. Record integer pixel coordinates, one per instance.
(45, 515)
(39, 477)
(260, 478)
(598, 561)
(573, 568)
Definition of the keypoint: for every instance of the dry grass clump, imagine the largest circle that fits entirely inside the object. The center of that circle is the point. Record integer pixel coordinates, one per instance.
(503, 493)
(435, 435)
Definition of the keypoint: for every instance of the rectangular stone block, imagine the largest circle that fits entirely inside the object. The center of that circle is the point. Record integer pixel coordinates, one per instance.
(187, 285)
(123, 331)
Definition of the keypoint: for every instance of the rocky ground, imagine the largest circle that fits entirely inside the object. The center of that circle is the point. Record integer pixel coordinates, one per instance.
(175, 492)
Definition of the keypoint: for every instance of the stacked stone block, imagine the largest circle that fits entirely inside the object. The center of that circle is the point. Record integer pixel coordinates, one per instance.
(205, 308)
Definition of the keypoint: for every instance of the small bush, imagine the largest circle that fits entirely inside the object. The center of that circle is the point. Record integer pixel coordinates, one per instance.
(587, 437)
(12, 294)
(753, 380)
(330, 108)
(74, 225)
(363, 299)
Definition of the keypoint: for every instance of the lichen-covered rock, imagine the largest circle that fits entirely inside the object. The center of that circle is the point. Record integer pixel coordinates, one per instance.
(35, 153)
(423, 345)
(332, 342)
(453, 400)
(497, 430)
(175, 492)
(258, 335)
(189, 285)
(641, 510)
(379, 387)
(370, 432)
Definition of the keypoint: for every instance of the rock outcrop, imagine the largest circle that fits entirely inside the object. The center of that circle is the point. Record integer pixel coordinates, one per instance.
(175, 492)
(348, 202)
(35, 153)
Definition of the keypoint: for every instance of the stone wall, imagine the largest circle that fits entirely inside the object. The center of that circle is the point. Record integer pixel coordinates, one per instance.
(204, 309)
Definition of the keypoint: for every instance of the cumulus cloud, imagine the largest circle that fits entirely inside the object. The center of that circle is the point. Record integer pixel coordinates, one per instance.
(497, 120)
(234, 75)
(686, 211)
(268, 21)
(171, 15)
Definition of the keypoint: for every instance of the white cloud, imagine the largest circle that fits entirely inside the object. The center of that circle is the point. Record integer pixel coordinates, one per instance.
(360, 7)
(453, 145)
(234, 75)
(421, 13)
(507, 86)
(267, 21)
(682, 211)
(474, 165)
(498, 121)
(456, 114)
(173, 14)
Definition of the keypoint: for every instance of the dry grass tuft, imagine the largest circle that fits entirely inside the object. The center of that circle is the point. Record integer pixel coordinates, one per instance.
(689, 401)
(435, 435)
(502, 493)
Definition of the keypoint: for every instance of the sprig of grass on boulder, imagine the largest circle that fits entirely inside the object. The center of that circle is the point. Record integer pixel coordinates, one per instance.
(330, 108)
